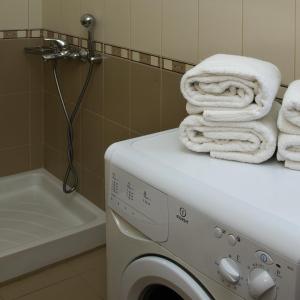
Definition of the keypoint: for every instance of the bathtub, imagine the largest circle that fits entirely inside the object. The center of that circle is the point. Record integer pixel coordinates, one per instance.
(40, 225)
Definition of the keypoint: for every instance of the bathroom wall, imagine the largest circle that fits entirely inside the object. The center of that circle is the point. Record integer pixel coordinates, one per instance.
(21, 87)
(148, 45)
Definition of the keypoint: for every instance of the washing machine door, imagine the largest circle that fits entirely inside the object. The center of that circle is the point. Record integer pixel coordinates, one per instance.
(156, 278)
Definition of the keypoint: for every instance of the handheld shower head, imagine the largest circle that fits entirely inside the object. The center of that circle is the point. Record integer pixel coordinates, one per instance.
(88, 21)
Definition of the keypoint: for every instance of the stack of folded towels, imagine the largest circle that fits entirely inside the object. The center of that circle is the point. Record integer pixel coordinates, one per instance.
(232, 113)
(289, 127)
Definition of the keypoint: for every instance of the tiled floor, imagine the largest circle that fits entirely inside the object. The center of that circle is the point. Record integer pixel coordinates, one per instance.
(80, 278)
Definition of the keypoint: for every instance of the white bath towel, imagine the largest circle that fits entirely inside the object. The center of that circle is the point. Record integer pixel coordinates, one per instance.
(290, 110)
(231, 88)
(289, 126)
(289, 150)
(251, 142)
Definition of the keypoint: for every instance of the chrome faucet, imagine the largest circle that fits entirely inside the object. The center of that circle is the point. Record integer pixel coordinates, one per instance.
(60, 50)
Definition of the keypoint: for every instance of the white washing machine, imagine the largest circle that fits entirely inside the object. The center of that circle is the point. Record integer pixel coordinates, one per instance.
(184, 226)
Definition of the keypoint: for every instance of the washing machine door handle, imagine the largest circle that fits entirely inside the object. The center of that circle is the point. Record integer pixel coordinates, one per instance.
(151, 271)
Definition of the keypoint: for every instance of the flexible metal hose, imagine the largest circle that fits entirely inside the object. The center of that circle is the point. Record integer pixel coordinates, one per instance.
(68, 185)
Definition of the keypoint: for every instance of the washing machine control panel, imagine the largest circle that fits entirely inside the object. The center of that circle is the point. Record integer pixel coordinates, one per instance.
(249, 269)
(143, 206)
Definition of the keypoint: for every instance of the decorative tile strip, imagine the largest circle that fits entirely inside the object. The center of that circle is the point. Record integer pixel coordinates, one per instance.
(113, 50)
(146, 58)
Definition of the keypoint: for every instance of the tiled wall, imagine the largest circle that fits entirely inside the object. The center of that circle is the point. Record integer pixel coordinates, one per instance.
(21, 88)
(191, 30)
(21, 108)
(20, 14)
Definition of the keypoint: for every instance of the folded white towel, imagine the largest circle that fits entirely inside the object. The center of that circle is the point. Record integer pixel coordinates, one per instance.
(289, 126)
(289, 150)
(289, 121)
(231, 88)
(251, 142)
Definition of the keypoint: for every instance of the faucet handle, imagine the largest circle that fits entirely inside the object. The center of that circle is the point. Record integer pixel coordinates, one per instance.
(60, 44)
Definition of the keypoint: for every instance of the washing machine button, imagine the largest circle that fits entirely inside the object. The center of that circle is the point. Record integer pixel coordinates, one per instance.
(264, 257)
(232, 240)
(218, 232)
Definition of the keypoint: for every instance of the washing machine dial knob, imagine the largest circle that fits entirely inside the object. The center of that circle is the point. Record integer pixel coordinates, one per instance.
(229, 270)
(261, 285)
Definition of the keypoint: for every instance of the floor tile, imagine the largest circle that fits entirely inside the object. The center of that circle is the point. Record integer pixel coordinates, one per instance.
(70, 289)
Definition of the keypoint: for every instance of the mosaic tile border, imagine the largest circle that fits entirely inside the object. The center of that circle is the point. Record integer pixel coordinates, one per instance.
(125, 53)
(108, 49)
(20, 34)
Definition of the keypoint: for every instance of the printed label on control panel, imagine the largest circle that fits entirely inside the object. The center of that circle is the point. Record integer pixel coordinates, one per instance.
(141, 205)
(183, 216)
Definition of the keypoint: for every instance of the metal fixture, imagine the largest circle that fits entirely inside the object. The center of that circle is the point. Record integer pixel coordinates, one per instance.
(60, 49)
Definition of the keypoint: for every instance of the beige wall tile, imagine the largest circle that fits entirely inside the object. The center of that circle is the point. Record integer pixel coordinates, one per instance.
(37, 281)
(145, 98)
(117, 22)
(220, 27)
(269, 31)
(52, 15)
(35, 13)
(13, 14)
(96, 8)
(71, 12)
(180, 30)
(146, 25)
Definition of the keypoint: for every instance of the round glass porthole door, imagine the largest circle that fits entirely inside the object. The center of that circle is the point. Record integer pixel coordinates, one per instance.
(159, 292)
(156, 278)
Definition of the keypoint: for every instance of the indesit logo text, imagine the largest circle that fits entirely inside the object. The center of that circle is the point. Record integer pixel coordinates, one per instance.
(182, 216)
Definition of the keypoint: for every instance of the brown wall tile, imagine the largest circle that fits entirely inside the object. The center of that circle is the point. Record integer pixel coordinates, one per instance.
(173, 104)
(116, 90)
(145, 98)
(93, 99)
(14, 120)
(112, 133)
(36, 156)
(54, 162)
(55, 132)
(92, 143)
(14, 160)
(92, 187)
(36, 118)
(14, 75)
(36, 68)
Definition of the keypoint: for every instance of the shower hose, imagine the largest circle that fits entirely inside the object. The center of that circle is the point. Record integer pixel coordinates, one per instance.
(71, 179)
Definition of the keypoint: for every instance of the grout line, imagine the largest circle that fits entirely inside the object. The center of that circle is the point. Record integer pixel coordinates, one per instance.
(14, 147)
(242, 12)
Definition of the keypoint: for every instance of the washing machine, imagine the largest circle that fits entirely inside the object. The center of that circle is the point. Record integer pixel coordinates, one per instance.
(181, 225)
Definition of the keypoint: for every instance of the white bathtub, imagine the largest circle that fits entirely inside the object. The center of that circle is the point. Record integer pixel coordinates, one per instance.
(40, 225)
